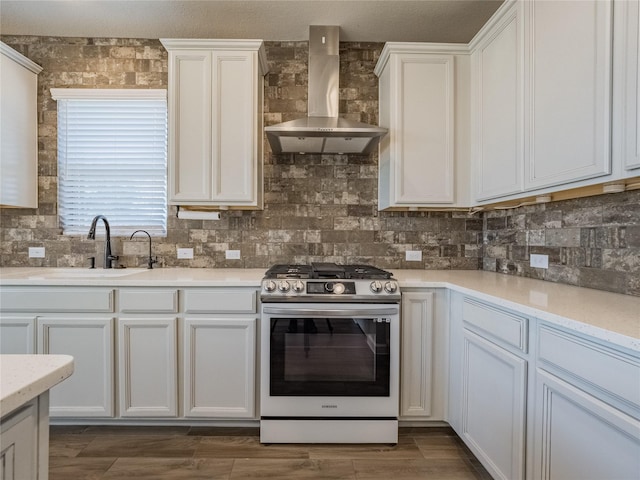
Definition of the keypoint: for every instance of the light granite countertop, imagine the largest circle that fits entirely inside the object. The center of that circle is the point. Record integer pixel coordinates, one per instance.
(607, 316)
(24, 377)
(134, 277)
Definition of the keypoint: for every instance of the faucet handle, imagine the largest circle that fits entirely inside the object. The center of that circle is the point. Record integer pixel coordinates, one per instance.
(92, 262)
(111, 259)
(152, 261)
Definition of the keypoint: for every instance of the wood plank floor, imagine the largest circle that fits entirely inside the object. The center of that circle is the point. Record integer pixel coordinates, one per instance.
(193, 453)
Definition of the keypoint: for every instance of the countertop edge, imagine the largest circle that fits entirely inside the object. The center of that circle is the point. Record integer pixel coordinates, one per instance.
(585, 328)
(24, 377)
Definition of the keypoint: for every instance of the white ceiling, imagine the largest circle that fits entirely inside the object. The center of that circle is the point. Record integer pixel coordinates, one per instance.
(359, 20)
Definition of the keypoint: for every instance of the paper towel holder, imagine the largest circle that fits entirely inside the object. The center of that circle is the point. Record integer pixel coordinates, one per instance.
(188, 214)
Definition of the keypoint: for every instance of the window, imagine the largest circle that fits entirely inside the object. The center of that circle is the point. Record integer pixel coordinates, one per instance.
(112, 159)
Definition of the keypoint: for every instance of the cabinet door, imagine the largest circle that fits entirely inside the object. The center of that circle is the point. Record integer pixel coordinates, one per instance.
(631, 91)
(567, 91)
(421, 149)
(219, 367)
(147, 367)
(497, 69)
(234, 126)
(456, 357)
(89, 391)
(215, 122)
(416, 368)
(493, 406)
(19, 135)
(578, 437)
(17, 335)
(190, 126)
(19, 444)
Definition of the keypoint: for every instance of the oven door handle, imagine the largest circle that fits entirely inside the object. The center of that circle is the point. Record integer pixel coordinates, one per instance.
(309, 312)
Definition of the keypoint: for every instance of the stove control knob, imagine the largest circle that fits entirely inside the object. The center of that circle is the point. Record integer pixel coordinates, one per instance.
(298, 286)
(391, 287)
(283, 286)
(338, 288)
(269, 286)
(376, 287)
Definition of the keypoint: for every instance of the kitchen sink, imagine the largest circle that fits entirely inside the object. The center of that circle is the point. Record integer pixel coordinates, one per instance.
(62, 273)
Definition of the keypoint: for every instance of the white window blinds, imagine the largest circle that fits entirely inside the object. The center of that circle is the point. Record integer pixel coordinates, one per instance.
(112, 159)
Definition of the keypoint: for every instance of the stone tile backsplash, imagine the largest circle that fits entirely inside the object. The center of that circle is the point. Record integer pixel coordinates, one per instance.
(591, 242)
(317, 207)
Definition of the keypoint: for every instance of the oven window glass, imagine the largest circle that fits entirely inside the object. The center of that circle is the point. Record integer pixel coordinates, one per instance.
(329, 356)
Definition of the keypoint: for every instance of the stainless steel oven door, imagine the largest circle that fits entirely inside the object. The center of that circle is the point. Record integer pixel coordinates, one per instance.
(323, 359)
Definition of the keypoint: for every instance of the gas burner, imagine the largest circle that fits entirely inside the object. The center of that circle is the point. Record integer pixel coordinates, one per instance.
(367, 272)
(289, 271)
(328, 271)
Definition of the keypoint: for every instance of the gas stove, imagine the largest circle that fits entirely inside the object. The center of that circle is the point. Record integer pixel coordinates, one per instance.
(329, 282)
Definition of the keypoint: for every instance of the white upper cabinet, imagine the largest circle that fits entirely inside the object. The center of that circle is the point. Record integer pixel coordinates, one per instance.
(555, 102)
(567, 114)
(497, 87)
(215, 122)
(424, 104)
(626, 121)
(18, 129)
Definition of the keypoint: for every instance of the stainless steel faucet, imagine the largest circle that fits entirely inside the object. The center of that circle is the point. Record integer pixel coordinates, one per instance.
(108, 258)
(151, 259)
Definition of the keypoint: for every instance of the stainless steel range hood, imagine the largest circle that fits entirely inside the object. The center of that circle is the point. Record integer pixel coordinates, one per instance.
(322, 131)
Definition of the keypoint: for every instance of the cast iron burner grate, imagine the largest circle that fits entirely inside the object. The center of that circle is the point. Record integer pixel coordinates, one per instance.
(327, 271)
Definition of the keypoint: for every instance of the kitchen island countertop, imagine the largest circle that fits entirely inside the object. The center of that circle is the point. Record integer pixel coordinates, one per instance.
(24, 377)
(608, 316)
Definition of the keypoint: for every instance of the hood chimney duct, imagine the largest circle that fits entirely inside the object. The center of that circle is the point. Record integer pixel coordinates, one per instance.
(323, 131)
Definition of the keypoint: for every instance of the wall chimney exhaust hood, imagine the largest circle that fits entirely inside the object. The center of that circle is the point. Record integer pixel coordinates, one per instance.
(322, 131)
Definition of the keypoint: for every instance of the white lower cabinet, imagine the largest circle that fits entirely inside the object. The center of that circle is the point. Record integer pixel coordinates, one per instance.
(148, 367)
(494, 388)
(147, 353)
(19, 444)
(17, 335)
(488, 384)
(587, 409)
(219, 367)
(533, 400)
(90, 340)
(423, 355)
(579, 437)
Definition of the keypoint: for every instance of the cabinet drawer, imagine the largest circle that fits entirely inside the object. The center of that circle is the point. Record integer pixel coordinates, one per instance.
(56, 299)
(500, 325)
(220, 300)
(150, 300)
(613, 372)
